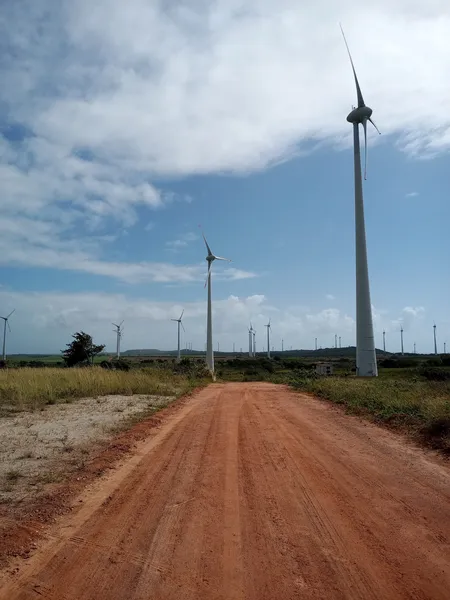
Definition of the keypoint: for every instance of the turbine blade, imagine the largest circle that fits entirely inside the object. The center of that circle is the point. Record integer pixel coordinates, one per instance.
(114, 325)
(8, 326)
(358, 89)
(182, 326)
(174, 320)
(11, 313)
(220, 258)
(182, 314)
(365, 147)
(122, 323)
(206, 244)
(379, 132)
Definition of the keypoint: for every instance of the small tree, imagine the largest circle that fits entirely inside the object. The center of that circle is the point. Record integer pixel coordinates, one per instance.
(81, 350)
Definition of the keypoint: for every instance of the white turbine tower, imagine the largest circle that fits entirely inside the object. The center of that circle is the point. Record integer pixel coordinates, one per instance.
(4, 332)
(179, 334)
(209, 343)
(254, 342)
(250, 340)
(366, 360)
(268, 338)
(119, 331)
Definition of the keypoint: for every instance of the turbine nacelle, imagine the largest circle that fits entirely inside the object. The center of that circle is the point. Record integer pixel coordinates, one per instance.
(360, 114)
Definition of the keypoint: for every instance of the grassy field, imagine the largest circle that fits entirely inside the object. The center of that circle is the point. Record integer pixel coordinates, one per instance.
(31, 388)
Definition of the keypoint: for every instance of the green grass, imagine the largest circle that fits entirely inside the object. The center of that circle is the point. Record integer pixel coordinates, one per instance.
(420, 406)
(32, 388)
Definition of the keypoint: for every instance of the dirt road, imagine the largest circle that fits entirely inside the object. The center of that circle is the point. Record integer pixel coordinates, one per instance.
(251, 491)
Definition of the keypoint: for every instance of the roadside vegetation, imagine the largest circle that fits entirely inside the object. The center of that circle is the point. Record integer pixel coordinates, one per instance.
(31, 388)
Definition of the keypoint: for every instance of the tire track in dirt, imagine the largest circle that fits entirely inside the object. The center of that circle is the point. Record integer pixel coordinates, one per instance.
(254, 492)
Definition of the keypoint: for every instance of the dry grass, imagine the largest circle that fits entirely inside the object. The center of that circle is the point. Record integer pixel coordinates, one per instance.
(28, 388)
(423, 407)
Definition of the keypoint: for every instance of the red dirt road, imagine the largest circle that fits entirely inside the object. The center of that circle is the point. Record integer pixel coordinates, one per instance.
(251, 491)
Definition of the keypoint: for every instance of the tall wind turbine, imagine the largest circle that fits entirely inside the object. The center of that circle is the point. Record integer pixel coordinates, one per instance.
(268, 338)
(401, 338)
(384, 341)
(209, 343)
(119, 331)
(366, 360)
(435, 343)
(254, 342)
(180, 324)
(4, 332)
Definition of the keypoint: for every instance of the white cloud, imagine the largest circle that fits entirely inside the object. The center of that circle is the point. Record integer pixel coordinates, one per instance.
(101, 98)
(411, 194)
(408, 317)
(44, 322)
(26, 242)
(182, 241)
(330, 297)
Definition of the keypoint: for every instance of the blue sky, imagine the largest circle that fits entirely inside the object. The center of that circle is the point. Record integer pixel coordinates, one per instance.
(122, 128)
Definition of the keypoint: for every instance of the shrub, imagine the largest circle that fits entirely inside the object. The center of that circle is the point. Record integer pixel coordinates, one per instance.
(435, 374)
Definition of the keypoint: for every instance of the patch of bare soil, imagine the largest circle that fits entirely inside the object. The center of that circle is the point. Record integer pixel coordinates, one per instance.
(48, 456)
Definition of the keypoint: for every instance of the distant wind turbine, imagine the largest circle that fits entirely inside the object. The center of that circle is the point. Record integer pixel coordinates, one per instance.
(384, 341)
(268, 338)
(250, 340)
(180, 324)
(254, 342)
(366, 361)
(4, 332)
(119, 332)
(401, 338)
(209, 343)
(435, 342)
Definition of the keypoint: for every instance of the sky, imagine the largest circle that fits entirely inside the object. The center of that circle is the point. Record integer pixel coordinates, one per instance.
(124, 126)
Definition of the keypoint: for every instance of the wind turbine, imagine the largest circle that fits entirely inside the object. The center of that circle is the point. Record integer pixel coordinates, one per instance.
(250, 340)
(4, 332)
(268, 338)
(384, 341)
(209, 343)
(179, 339)
(401, 338)
(254, 342)
(435, 343)
(366, 360)
(119, 331)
